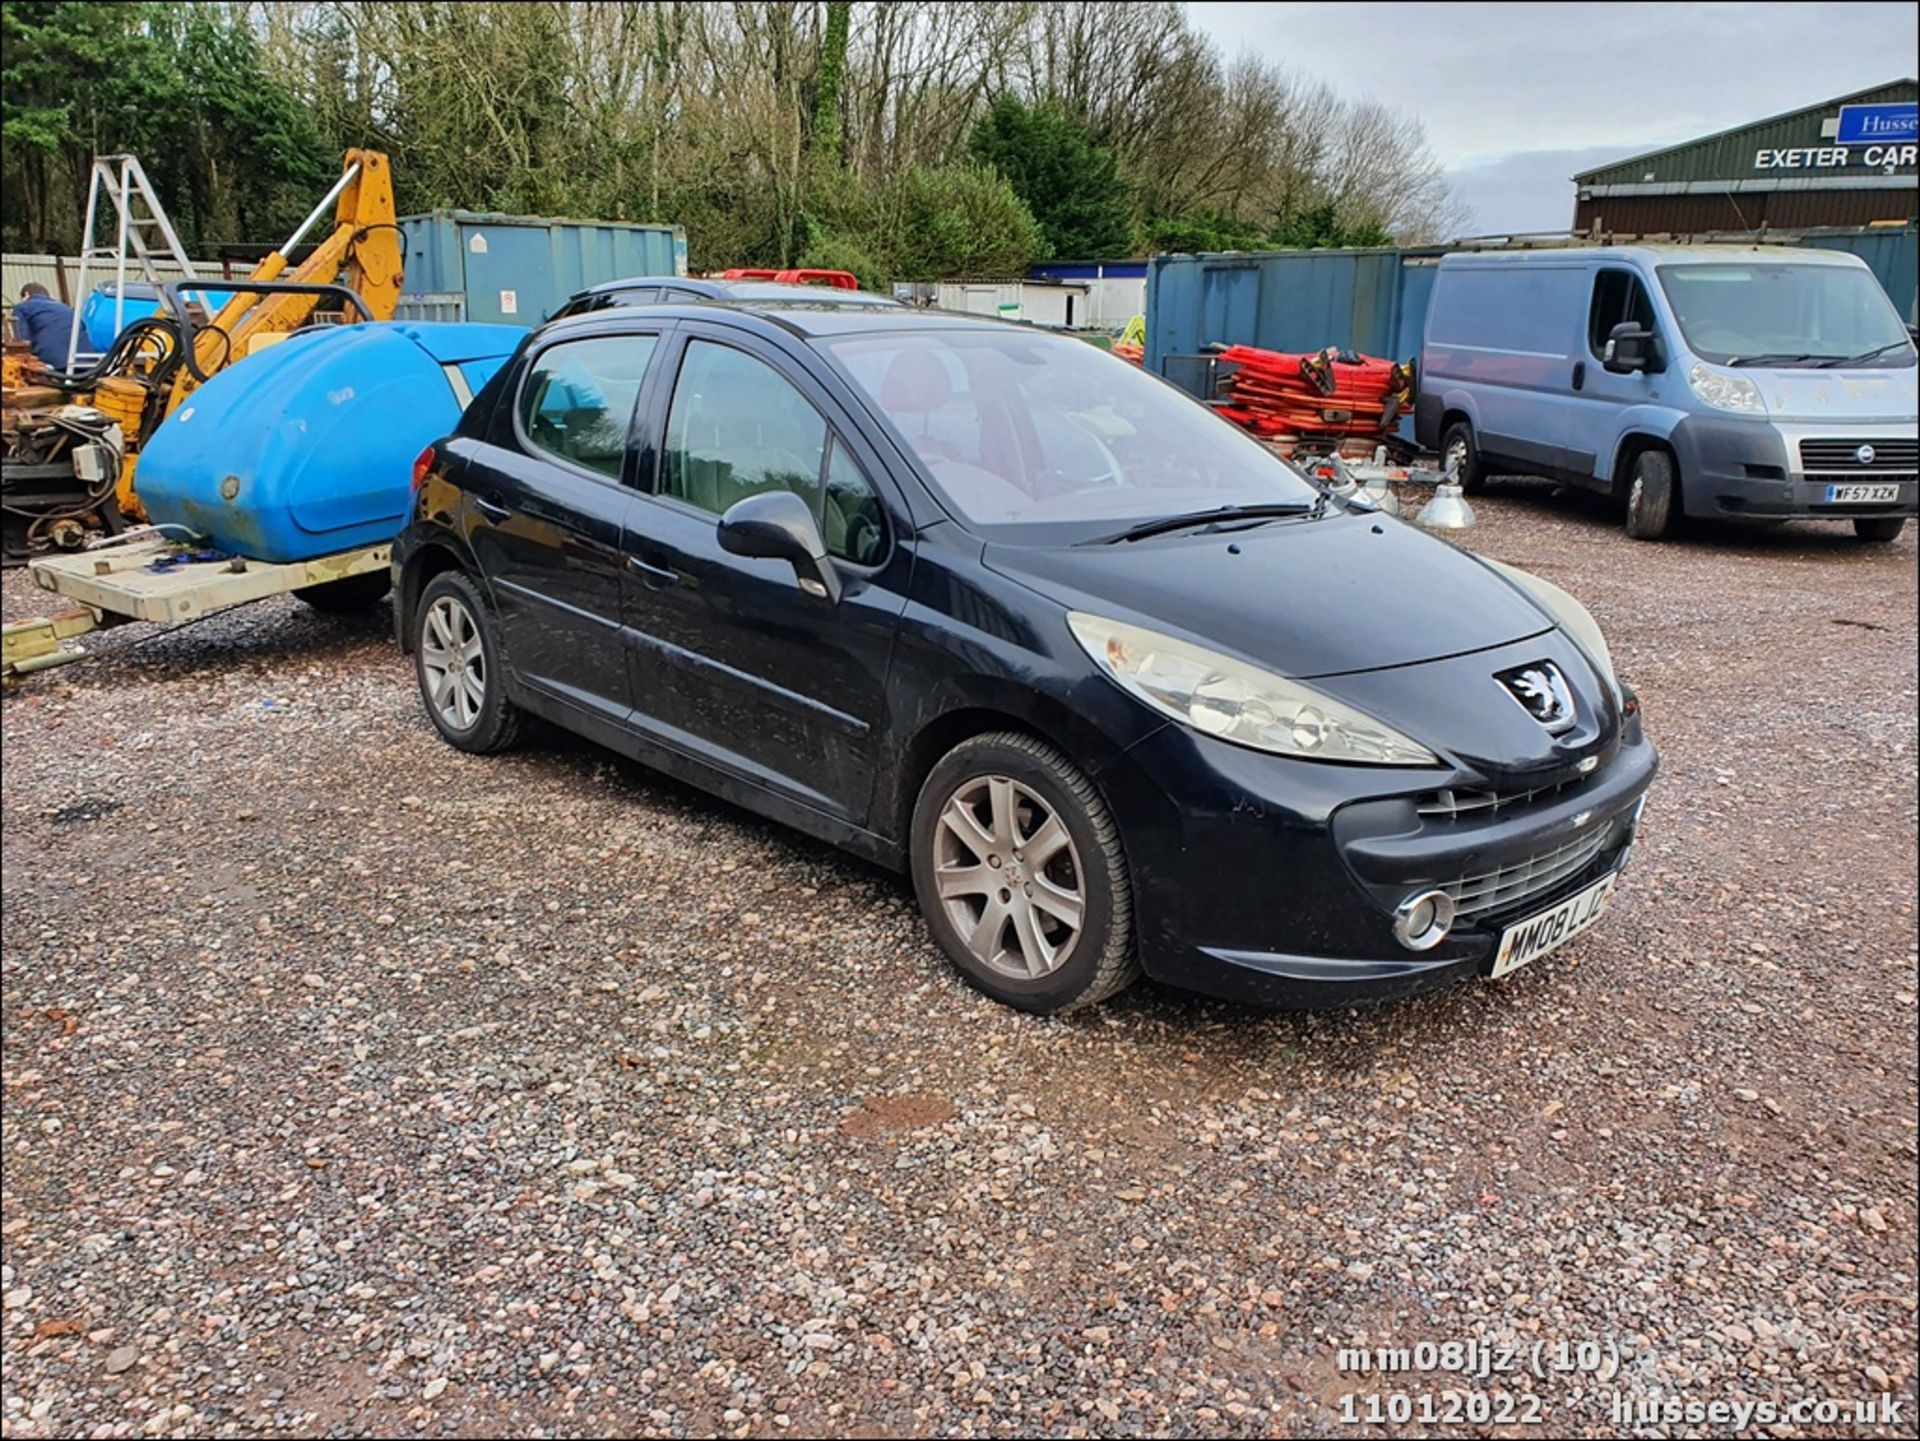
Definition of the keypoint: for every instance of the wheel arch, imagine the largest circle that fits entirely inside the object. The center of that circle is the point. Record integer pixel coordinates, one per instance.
(982, 713)
(1458, 405)
(1632, 446)
(430, 558)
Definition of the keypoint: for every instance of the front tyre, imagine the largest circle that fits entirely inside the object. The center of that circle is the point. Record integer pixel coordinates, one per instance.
(1019, 871)
(456, 660)
(1882, 531)
(1650, 488)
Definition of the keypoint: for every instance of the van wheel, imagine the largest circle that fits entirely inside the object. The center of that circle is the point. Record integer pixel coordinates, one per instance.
(1018, 867)
(1459, 454)
(1650, 495)
(1882, 531)
(348, 595)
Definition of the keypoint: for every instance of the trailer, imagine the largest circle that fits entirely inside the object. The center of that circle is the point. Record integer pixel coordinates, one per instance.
(142, 576)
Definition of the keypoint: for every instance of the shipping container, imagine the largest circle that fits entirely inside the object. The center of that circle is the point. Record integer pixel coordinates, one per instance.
(1372, 301)
(1375, 301)
(520, 269)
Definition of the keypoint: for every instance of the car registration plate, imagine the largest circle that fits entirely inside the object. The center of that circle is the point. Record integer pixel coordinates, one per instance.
(1862, 494)
(1532, 938)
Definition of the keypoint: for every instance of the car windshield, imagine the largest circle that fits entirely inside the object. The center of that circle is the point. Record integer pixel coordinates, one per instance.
(1785, 315)
(1023, 429)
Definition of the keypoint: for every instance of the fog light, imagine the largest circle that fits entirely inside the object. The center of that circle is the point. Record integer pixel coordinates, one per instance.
(1422, 921)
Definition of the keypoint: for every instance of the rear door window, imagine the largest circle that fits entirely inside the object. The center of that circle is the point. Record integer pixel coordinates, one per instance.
(577, 401)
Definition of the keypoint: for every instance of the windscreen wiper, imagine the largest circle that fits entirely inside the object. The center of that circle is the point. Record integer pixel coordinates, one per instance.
(1773, 359)
(1841, 362)
(1161, 525)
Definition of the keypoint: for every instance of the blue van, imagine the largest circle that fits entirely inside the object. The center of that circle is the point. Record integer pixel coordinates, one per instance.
(1747, 383)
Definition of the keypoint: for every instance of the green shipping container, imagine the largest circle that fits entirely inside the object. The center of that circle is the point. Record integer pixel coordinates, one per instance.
(520, 269)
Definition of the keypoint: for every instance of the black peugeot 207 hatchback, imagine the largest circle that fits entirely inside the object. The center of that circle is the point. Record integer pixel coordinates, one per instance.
(1119, 688)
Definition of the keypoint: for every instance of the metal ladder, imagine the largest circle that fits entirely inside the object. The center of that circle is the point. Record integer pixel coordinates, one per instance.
(146, 236)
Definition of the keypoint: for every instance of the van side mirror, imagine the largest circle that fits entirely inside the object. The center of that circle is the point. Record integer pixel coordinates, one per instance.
(779, 525)
(1632, 347)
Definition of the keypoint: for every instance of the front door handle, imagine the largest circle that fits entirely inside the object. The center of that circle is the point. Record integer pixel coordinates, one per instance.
(491, 509)
(1579, 374)
(654, 576)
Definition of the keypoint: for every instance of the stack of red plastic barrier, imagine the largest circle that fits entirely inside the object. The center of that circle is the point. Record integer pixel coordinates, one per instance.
(1328, 393)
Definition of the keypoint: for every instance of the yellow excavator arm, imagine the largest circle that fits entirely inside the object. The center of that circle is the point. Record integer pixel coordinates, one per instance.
(363, 253)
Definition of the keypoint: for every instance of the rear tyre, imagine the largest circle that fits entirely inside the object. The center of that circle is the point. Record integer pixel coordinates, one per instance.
(1460, 454)
(1882, 531)
(349, 595)
(1019, 871)
(1650, 495)
(456, 660)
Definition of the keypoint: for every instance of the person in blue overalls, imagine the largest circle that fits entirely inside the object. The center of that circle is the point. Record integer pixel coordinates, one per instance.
(44, 323)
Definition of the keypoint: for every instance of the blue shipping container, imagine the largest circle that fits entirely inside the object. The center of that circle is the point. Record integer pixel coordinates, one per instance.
(520, 269)
(307, 447)
(1375, 301)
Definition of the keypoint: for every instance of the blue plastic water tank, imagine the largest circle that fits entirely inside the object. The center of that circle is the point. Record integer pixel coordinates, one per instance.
(307, 447)
(96, 316)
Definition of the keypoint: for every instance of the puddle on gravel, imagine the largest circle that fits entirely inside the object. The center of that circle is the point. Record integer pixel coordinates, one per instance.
(884, 1115)
(81, 812)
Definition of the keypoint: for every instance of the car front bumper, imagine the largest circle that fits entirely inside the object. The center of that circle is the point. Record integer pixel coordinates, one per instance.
(1274, 882)
(1751, 470)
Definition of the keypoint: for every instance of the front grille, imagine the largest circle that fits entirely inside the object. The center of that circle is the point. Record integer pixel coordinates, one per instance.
(1839, 457)
(1451, 805)
(1510, 885)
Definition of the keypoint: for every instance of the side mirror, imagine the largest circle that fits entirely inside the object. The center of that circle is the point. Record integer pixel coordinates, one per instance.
(1631, 348)
(779, 525)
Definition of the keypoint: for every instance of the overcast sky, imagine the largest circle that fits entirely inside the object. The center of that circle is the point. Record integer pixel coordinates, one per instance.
(1517, 97)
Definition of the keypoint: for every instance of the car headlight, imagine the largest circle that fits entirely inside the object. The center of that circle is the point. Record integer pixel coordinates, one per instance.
(1572, 617)
(1725, 392)
(1237, 702)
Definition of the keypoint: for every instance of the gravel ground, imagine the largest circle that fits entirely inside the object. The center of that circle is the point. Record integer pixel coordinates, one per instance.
(353, 1085)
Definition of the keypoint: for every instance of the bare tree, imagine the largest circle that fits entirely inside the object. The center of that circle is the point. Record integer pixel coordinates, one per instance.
(711, 114)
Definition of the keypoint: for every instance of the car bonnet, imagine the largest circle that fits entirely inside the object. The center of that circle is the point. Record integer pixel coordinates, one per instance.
(1303, 598)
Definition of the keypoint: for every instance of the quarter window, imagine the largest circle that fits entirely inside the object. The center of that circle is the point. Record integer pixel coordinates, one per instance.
(852, 522)
(1618, 296)
(737, 427)
(578, 399)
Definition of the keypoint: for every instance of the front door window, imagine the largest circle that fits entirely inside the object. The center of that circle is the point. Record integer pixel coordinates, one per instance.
(737, 428)
(1618, 296)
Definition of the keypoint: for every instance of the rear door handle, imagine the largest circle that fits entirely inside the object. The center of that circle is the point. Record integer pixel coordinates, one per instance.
(491, 509)
(654, 576)
(1579, 374)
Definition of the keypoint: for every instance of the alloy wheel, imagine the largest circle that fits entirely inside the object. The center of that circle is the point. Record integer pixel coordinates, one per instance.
(454, 663)
(1009, 877)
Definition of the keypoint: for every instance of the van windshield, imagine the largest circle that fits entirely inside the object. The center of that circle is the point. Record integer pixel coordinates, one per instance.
(1022, 429)
(1786, 315)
